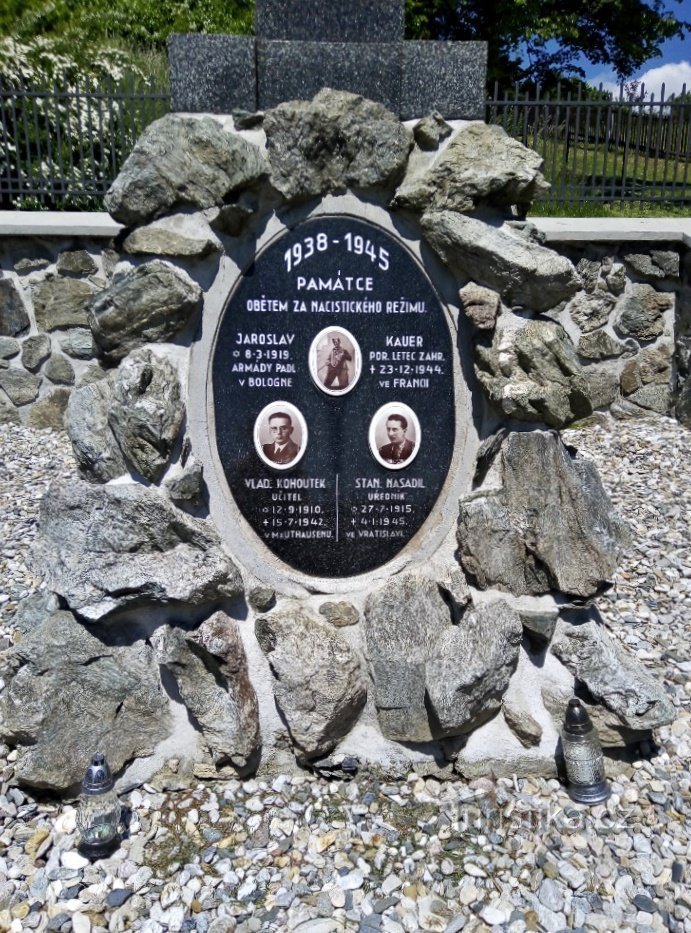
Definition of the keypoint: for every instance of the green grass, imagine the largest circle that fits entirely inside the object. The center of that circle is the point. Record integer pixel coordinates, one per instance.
(624, 181)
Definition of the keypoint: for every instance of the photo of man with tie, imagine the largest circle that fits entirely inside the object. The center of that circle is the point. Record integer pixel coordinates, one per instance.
(394, 436)
(280, 435)
(282, 449)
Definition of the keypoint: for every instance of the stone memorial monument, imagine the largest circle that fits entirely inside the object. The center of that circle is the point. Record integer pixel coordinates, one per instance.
(325, 514)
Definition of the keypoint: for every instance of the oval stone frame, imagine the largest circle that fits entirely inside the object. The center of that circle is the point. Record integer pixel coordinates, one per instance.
(250, 550)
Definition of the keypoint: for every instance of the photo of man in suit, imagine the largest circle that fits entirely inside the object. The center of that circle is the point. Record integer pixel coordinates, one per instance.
(399, 448)
(283, 448)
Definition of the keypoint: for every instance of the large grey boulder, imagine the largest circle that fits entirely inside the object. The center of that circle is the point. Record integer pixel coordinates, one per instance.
(103, 548)
(182, 160)
(146, 411)
(640, 312)
(210, 669)
(318, 682)
(403, 624)
(14, 319)
(531, 372)
(482, 165)
(93, 443)
(522, 271)
(550, 525)
(473, 664)
(432, 678)
(150, 304)
(61, 303)
(68, 693)
(177, 235)
(612, 676)
(335, 141)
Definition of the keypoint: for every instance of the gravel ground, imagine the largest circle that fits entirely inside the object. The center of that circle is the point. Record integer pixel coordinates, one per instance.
(300, 853)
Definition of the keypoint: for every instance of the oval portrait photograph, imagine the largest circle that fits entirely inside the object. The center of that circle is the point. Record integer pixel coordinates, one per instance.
(280, 435)
(335, 360)
(394, 436)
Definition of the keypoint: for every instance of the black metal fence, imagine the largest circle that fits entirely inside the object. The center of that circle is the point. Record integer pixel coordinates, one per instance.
(601, 148)
(61, 145)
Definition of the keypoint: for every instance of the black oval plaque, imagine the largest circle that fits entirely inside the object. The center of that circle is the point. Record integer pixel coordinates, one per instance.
(333, 396)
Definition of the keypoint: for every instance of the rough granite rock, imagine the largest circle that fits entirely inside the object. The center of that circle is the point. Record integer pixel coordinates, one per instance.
(603, 385)
(186, 484)
(403, 623)
(182, 160)
(210, 668)
(93, 443)
(657, 264)
(49, 411)
(339, 614)
(615, 280)
(21, 387)
(640, 312)
(591, 311)
(657, 398)
(550, 525)
(8, 413)
(611, 675)
(432, 678)
(61, 302)
(482, 165)
(335, 141)
(69, 693)
(601, 346)
(146, 412)
(651, 366)
(59, 370)
(177, 235)
(589, 270)
(480, 305)
(9, 348)
(14, 319)
(78, 343)
(431, 130)
(519, 718)
(76, 262)
(103, 548)
(35, 351)
(471, 668)
(318, 683)
(522, 271)
(531, 372)
(150, 304)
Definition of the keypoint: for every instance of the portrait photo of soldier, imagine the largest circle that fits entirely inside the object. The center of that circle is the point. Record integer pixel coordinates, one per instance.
(394, 435)
(280, 435)
(335, 361)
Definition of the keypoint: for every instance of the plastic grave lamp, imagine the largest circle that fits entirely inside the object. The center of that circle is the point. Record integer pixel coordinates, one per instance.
(98, 814)
(585, 764)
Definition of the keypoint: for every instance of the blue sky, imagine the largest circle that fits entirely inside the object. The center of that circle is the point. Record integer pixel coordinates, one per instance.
(673, 67)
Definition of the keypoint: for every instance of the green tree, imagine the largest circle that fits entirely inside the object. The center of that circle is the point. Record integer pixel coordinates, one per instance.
(135, 23)
(542, 40)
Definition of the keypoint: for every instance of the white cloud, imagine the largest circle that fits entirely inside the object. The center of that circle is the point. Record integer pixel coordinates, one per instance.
(673, 75)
